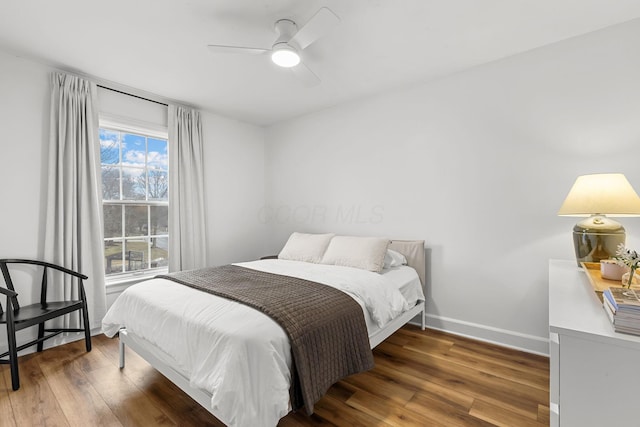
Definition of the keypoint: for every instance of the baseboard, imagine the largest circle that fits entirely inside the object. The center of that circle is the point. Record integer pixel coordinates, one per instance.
(502, 337)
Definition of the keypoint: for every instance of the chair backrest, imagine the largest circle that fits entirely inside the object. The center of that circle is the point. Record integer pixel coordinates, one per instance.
(4, 266)
(9, 283)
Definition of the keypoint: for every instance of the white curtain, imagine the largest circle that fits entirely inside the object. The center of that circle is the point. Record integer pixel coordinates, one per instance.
(187, 221)
(74, 233)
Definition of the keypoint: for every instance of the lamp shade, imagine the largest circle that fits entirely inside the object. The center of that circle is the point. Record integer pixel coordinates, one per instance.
(606, 194)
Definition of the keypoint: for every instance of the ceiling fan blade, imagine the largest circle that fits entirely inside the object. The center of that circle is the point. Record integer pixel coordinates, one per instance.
(216, 48)
(319, 24)
(305, 75)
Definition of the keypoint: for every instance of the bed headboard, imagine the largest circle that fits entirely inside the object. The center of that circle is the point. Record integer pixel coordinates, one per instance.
(413, 251)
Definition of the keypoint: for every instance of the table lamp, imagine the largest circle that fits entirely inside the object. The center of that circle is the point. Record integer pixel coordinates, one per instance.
(595, 196)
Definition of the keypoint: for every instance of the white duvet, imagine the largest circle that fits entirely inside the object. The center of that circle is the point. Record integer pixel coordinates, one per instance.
(236, 353)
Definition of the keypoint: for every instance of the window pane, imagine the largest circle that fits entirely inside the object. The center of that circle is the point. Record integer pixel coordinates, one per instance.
(157, 153)
(159, 252)
(134, 169)
(113, 257)
(134, 149)
(110, 183)
(136, 221)
(136, 254)
(112, 221)
(159, 220)
(158, 185)
(109, 147)
(133, 184)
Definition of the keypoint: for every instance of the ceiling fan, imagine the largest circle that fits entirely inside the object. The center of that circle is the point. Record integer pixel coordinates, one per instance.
(286, 50)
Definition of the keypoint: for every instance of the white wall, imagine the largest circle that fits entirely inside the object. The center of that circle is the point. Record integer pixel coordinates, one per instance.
(476, 164)
(117, 105)
(234, 173)
(24, 121)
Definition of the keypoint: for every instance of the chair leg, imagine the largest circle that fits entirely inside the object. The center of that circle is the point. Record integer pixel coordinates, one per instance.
(40, 335)
(13, 356)
(87, 328)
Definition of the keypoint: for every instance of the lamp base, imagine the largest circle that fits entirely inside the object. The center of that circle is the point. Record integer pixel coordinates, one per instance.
(597, 238)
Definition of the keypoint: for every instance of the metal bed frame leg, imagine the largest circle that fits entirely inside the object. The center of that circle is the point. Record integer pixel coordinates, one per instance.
(424, 317)
(121, 351)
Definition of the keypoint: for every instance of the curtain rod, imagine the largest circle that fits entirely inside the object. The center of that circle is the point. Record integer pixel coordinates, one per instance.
(135, 96)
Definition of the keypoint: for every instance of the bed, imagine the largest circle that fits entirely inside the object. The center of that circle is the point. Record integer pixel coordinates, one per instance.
(241, 371)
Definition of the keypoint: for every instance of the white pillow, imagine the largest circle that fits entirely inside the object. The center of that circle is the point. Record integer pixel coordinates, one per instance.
(366, 253)
(305, 247)
(394, 259)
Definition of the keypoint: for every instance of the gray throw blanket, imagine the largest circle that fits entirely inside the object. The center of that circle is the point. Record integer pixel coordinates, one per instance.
(325, 326)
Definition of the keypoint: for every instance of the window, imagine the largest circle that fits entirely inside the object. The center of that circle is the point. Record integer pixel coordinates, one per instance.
(135, 185)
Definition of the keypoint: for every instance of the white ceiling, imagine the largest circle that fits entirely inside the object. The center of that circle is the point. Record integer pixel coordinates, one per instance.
(159, 46)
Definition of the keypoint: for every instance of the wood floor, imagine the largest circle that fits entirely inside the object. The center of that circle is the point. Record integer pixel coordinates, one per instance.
(421, 378)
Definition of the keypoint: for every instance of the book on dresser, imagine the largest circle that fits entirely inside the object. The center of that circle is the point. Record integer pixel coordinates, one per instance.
(622, 305)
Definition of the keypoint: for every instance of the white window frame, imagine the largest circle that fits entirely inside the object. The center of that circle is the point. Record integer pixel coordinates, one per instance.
(128, 125)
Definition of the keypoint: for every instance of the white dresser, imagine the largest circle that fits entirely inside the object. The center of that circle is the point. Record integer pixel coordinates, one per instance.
(595, 372)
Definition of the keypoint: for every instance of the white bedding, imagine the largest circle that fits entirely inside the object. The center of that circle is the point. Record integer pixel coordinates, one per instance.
(238, 354)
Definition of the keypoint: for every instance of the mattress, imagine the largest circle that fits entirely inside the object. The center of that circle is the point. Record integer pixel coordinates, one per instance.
(406, 280)
(237, 354)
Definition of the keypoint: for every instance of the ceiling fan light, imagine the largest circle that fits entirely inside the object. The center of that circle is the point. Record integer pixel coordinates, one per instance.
(285, 56)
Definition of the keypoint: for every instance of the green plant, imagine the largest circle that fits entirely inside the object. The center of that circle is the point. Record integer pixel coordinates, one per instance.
(628, 258)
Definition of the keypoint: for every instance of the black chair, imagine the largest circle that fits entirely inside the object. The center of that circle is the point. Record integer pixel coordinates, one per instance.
(18, 318)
